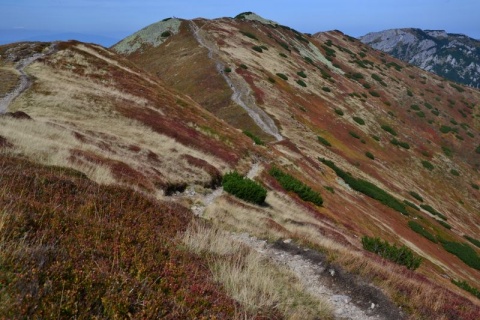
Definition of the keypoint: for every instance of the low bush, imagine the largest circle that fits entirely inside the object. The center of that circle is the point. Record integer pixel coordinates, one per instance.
(415, 107)
(477, 150)
(475, 186)
(400, 143)
(389, 129)
(302, 74)
(339, 112)
(249, 34)
(400, 255)
(420, 114)
(427, 165)
(421, 230)
(255, 139)
(326, 89)
(444, 224)
(454, 172)
(166, 34)
(464, 252)
(432, 211)
(472, 240)
(324, 141)
(301, 83)
(377, 77)
(411, 205)
(465, 286)
(353, 134)
(290, 183)
(283, 55)
(374, 94)
(257, 48)
(359, 120)
(227, 70)
(244, 188)
(243, 66)
(416, 196)
(281, 75)
(445, 129)
(368, 188)
(447, 151)
(369, 155)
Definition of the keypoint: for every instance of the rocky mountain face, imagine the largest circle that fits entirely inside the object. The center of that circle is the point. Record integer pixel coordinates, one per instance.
(115, 159)
(453, 56)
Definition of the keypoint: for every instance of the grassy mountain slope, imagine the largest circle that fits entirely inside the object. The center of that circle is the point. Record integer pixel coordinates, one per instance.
(359, 100)
(170, 115)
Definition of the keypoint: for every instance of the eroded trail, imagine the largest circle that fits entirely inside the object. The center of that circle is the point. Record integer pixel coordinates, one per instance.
(25, 81)
(241, 91)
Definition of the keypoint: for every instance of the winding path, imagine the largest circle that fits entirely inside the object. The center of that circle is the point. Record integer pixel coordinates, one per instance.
(25, 81)
(241, 91)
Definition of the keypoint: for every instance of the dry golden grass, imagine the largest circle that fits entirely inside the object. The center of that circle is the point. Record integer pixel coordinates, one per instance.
(253, 281)
(9, 79)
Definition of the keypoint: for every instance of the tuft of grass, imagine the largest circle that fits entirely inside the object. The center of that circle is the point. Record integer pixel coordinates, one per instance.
(262, 287)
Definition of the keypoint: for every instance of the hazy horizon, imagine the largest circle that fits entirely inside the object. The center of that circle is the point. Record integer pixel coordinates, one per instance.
(113, 20)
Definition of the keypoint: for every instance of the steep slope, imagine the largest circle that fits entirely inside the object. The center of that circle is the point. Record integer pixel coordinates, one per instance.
(453, 56)
(403, 130)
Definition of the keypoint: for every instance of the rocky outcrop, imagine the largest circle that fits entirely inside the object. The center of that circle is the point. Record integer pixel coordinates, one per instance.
(453, 56)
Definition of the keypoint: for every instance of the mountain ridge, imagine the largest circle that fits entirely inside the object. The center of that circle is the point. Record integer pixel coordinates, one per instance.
(453, 56)
(391, 150)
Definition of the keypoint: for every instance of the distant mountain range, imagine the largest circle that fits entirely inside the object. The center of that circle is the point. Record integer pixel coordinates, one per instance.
(453, 56)
(9, 36)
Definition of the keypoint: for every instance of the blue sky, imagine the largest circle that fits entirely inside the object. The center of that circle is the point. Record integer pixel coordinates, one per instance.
(119, 18)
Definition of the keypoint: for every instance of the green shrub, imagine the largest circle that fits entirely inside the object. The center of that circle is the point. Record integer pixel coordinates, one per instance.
(447, 151)
(433, 211)
(458, 88)
(255, 139)
(326, 89)
(377, 77)
(366, 85)
(464, 252)
(409, 93)
(411, 205)
(465, 286)
(421, 230)
(477, 150)
(244, 188)
(400, 143)
(257, 48)
(281, 75)
(415, 107)
(324, 141)
(284, 46)
(243, 66)
(400, 255)
(309, 60)
(420, 114)
(376, 138)
(283, 55)
(166, 34)
(302, 74)
(329, 189)
(290, 183)
(374, 94)
(357, 76)
(472, 240)
(428, 105)
(359, 120)
(436, 112)
(353, 134)
(301, 83)
(416, 196)
(454, 172)
(339, 112)
(427, 165)
(271, 80)
(370, 155)
(475, 186)
(445, 129)
(227, 70)
(444, 224)
(249, 34)
(368, 188)
(389, 129)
